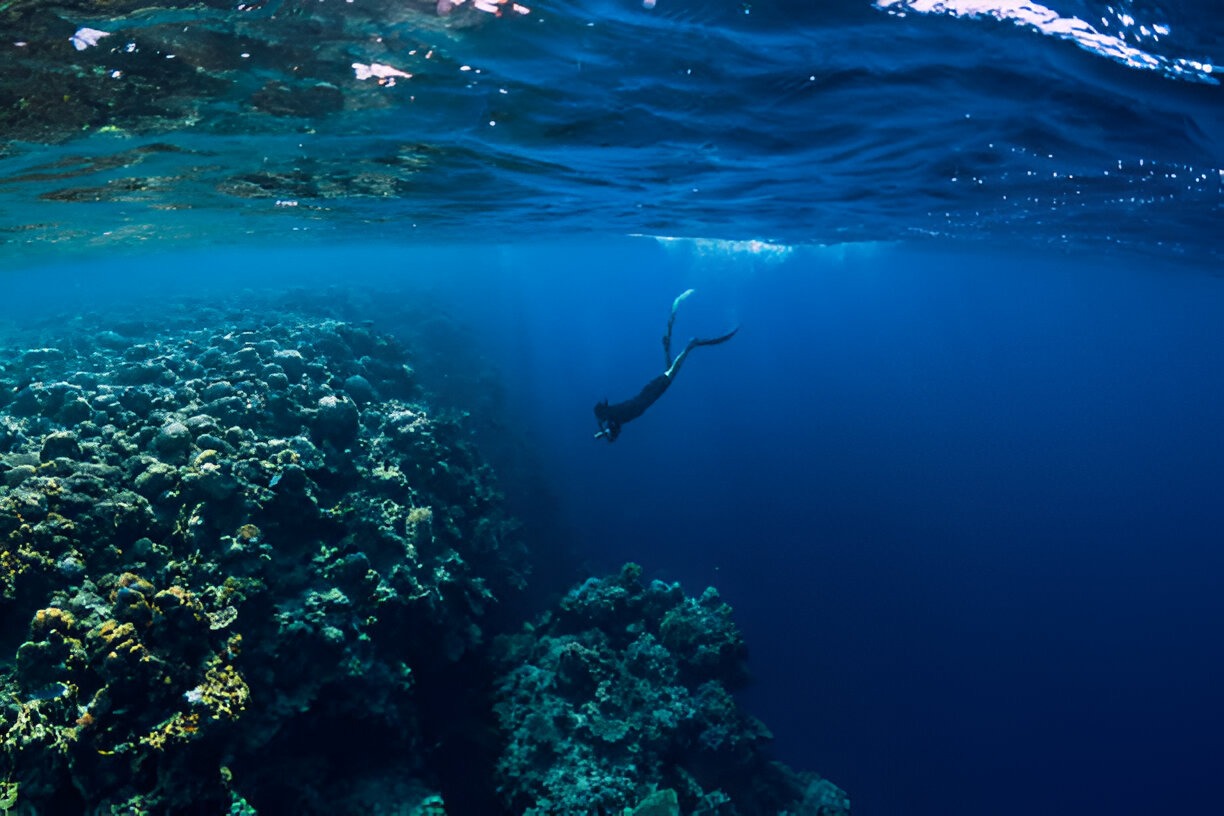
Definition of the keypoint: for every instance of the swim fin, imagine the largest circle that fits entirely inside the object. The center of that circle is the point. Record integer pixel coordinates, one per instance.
(714, 341)
(676, 303)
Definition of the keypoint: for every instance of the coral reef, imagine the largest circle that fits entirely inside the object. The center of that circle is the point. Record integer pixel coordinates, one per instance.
(225, 554)
(619, 701)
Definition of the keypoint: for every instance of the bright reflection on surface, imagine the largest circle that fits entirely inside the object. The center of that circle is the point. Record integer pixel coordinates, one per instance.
(716, 246)
(385, 74)
(1049, 22)
(87, 38)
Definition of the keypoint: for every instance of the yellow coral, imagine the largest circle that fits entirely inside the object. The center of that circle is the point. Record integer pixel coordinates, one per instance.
(179, 728)
(222, 617)
(121, 643)
(177, 596)
(10, 567)
(132, 581)
(59, 523)
(224, 693)
(419, 527)
(51, 619)
(111, 630)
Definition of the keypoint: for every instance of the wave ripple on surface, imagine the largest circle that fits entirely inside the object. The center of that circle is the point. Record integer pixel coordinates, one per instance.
(783, 122)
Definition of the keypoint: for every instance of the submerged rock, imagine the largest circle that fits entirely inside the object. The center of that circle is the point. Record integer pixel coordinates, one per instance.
(173, 441)
(359, 389)
(60, 444)
(336, 419)
(17, 474)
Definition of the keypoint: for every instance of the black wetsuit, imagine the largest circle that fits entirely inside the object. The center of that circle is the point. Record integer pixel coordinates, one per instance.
(611, 417)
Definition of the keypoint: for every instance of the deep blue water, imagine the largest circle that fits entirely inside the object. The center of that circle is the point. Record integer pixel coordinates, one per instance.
(966, 506)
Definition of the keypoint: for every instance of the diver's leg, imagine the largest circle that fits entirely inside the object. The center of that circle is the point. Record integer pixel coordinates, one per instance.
(679, 361)
(694, 343)
(671, 322)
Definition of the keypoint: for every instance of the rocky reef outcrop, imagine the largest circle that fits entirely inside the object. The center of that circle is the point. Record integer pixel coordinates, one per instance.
(226, 556)
(620, 701)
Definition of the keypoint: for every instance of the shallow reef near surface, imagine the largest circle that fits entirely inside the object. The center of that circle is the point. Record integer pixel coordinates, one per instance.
(245, 567)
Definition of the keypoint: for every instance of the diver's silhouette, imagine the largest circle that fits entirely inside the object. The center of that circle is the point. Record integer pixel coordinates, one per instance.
(612, 417)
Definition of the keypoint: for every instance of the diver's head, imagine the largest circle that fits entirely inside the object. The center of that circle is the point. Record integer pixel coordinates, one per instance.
(609, 428)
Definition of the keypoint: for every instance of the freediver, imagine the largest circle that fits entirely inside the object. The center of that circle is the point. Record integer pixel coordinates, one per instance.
(612, 417)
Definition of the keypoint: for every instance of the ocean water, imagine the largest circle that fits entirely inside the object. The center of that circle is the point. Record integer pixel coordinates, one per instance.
(959, 473)
(965, 506)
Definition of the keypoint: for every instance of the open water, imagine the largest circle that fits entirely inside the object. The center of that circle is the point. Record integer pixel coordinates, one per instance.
(959, 473)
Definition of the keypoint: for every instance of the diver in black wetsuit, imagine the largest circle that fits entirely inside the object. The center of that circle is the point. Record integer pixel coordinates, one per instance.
(612, 417)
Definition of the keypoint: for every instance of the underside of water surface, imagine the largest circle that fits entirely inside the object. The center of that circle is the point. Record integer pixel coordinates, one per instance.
(803, 123)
